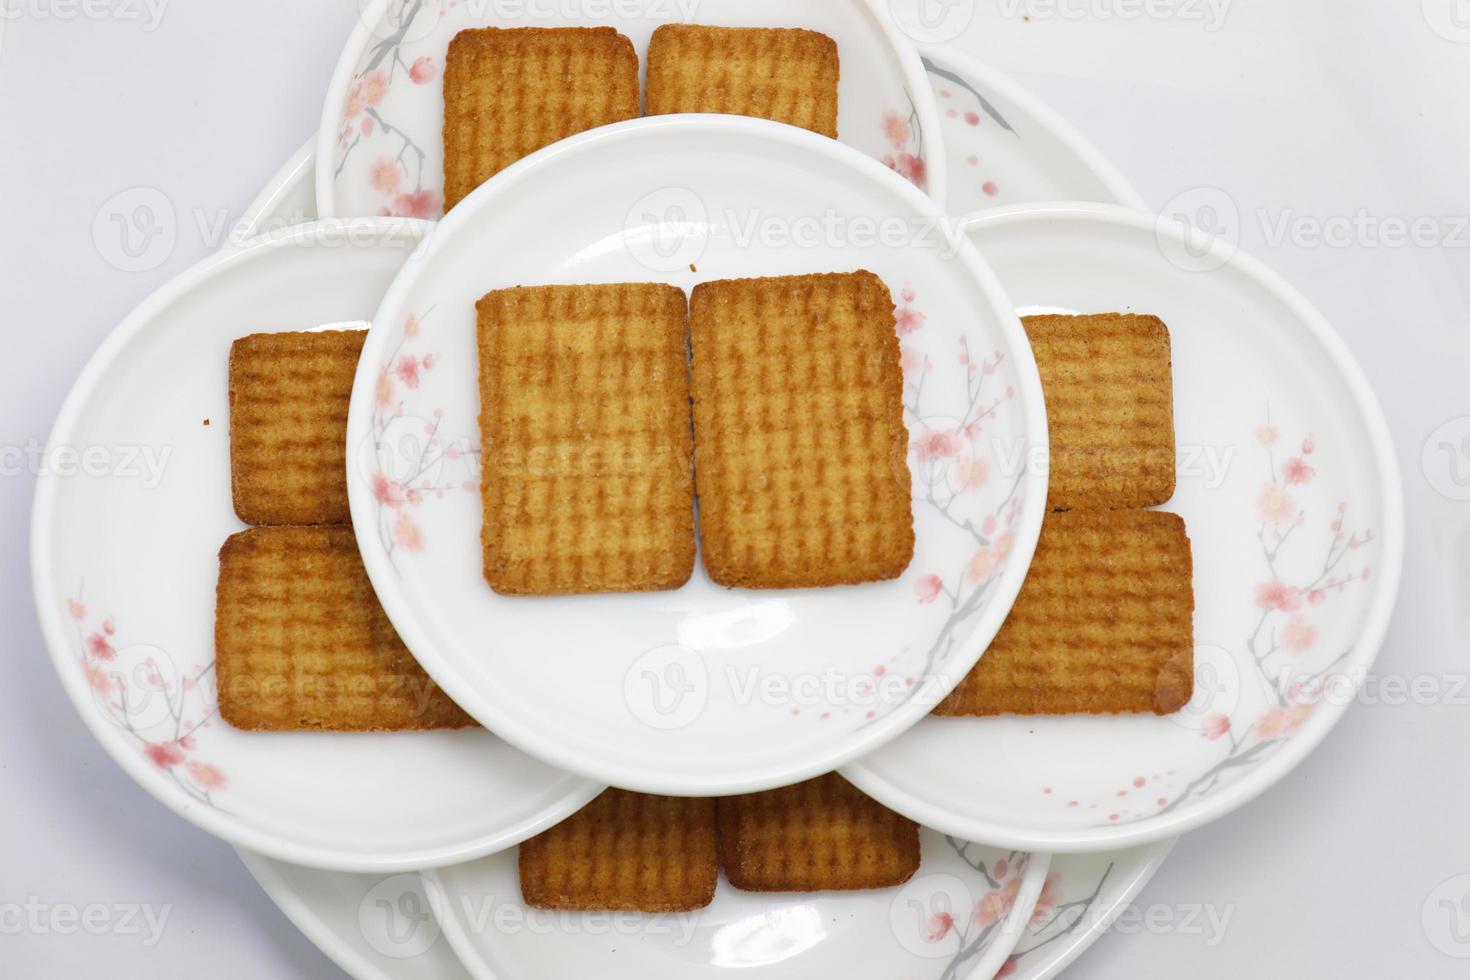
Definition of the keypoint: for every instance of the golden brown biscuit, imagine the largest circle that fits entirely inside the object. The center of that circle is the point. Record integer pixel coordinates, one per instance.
(508, 93)
(587, 478)
(1103, 625)
(301, 643)
(782, 74)
(1110, 405)
(821, 835)
(798, 415)
(625, 852)
(289, 394)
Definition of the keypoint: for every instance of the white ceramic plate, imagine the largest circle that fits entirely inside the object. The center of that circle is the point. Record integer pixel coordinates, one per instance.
(380, 149)
(1083, 896)
(1004, 146)
(1291, 492)
(124, 542)
(703, 691)
(959, 917)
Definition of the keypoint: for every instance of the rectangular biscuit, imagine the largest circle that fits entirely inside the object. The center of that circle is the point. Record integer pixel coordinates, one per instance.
(289, 394)
(510, 92)
(782, 74)
(802, 452)
(625, 852)
(588, 479)
(821, 835)
(301, 643)
(1110, 404)
(1103, 625)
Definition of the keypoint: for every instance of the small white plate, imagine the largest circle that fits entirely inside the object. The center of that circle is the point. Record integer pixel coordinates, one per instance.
(703, 691)
(1291, 492)
(127, 525)
(380, 149)
(1083, 896)
(959, 917)
(1004, 146)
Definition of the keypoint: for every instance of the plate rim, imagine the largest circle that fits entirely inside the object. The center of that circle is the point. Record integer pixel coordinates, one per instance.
(1379, 449)
(536, 743)
(229, 827)
(1012, 929)
(916, 80)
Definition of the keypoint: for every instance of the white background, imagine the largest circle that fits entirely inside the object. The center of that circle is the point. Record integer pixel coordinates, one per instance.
(1303, 111)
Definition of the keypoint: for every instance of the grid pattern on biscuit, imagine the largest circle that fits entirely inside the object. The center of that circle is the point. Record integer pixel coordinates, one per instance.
(625, 852)
(821, 835)
(588, 456)
(510, 92)
(289, 394)
(801, 447)
(1103, 624)
(782, 74)
(1110, 405)
(302, 644)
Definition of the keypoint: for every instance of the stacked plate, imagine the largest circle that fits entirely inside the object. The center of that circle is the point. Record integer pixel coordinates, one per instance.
(396, 853)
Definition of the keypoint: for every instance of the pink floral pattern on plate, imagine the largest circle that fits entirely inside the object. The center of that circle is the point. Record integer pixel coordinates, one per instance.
(976, 928)
(410, 463)
(1285, 636)
(1053, 919)
(130, 685)
(906, 140)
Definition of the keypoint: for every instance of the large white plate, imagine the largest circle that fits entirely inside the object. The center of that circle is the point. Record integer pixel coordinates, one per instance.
(1291, 492)
(380, 149)
(958, 917)
(702, 691)
(124, 544)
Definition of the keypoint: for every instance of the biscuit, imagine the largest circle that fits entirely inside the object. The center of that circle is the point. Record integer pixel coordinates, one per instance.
(289, 394)
(782, 74)
(802, 465)
(587, 464)
(1103, 625)
(625, 852)
(1110, 405)
(508, 93)
(301, 643)
(821, 835)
